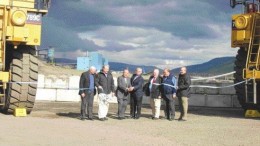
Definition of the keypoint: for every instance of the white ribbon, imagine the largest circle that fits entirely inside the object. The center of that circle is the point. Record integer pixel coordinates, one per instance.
(192, 86)
(213, 77)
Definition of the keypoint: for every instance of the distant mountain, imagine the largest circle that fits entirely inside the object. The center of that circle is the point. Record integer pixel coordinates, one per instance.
(120, 66)
(115, 66)
(214, 66)
(65, 60)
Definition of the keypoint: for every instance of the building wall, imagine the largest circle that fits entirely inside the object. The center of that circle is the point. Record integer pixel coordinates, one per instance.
(82, 63)
(95, 59)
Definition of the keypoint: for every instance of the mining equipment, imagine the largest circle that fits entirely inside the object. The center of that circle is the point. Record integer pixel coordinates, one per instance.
(246, 36)
(20, 34)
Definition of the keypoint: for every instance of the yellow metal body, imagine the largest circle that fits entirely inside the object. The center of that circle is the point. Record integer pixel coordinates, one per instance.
(20, 24)
(20, 112)
(251, 74)
(252, 114)
(241, 35)
(246, 33)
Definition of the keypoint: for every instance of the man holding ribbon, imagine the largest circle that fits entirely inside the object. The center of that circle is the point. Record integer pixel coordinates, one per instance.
(87, 92)
(169, 93)
(155, 93)
(105, 84)
(136, 94)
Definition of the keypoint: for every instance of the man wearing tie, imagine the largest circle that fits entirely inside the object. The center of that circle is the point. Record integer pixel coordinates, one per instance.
(123, 84)
(155, 93)
(136, 91)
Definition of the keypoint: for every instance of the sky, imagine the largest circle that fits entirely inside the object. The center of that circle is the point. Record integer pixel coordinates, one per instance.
(162, 33)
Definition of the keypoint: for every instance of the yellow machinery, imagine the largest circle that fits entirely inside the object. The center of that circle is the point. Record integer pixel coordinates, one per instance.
(246, 36)
(20, 33)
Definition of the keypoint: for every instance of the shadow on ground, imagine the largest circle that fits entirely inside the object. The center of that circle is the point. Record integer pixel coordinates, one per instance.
(71, 110)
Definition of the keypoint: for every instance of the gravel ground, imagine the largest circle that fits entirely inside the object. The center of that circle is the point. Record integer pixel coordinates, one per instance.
(57, 123)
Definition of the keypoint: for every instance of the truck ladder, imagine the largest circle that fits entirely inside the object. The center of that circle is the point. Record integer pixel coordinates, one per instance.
(254, 45)
(253, 62)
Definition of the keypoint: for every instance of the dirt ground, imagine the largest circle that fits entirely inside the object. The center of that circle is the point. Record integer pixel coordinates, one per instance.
(57, 123)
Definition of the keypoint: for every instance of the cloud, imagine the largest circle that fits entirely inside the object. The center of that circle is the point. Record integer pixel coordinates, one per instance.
(59, 36)
(168, 33)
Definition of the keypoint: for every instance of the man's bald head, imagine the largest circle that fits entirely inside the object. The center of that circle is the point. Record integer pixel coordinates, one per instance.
(92, 70)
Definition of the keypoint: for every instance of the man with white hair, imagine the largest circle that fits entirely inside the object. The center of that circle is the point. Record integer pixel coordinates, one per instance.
(87, 92)
(136, 93)
(105, 84)
(155, 93)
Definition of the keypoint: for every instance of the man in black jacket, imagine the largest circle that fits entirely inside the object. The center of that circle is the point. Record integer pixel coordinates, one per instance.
(105, 84)
(154, 93)
(136, 91)
(87, 92)
(183, 93)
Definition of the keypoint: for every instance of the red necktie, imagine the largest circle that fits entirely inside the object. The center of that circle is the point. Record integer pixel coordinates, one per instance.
(154, 79)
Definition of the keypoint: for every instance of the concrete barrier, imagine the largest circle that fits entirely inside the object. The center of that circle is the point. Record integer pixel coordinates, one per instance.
(46, 94)
(63, 88)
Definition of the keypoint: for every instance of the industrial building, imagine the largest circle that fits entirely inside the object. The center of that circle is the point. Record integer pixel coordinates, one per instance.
(92, 59)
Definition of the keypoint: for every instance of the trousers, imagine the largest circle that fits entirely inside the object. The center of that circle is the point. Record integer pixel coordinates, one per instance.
(183, 103)
(136, 105)
(87, 104)
(122, 104)
(103, 106)
(155, 105)
(169, 106)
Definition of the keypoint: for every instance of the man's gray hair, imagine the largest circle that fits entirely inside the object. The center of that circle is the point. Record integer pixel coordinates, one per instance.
(157, 70)
(92, 68)
(105, 66)
(184, 67)
(126, 69)
(139, 68)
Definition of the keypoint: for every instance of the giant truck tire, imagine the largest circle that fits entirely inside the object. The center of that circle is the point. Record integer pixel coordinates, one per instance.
(23, 76)
(240, 64)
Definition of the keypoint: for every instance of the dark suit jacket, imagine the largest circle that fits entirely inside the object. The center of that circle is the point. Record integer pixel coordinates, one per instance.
(156, 90)
(107, 83)
(137, 83)
(84, 82)
(122, 85)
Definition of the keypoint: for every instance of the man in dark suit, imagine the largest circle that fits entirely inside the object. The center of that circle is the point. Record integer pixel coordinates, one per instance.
(87, 92)
(136, 91)
(123, 84)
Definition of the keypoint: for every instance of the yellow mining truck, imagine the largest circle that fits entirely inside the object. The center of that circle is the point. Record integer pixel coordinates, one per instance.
(246, 36)
(20, 34)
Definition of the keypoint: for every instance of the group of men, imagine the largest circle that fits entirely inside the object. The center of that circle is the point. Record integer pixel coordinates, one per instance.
(158, 87)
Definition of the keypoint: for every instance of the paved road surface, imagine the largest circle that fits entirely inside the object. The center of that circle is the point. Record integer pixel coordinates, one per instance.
(57, 124)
